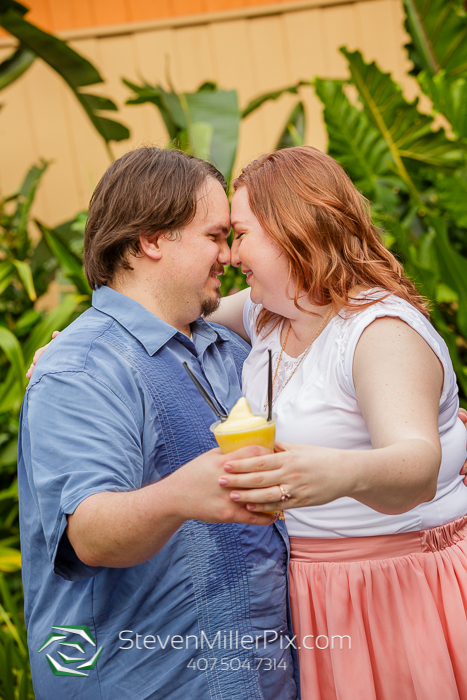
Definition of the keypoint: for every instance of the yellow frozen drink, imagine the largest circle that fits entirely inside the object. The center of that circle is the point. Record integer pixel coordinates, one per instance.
(243, 428)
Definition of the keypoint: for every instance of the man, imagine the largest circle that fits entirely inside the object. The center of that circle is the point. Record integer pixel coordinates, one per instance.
(142, 578)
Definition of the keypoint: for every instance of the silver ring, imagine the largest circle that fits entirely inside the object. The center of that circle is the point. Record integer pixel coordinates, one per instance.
(284, 495)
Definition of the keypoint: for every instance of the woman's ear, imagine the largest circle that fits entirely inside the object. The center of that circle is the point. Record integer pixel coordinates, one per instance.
(150, 246)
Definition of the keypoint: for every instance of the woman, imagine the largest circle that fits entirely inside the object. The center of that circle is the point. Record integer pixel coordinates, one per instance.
(374, 503)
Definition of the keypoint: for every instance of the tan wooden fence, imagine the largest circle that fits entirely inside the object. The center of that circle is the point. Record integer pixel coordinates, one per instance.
(252, 49)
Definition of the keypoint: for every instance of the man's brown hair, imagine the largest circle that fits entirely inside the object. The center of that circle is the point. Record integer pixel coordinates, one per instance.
(147, 191)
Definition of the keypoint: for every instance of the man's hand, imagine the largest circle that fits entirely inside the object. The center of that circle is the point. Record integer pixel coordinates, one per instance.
(463, 416)
(38, 353)
(120, 529)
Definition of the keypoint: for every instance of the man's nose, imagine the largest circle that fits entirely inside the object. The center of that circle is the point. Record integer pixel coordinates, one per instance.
(234, 256)
(224, 253)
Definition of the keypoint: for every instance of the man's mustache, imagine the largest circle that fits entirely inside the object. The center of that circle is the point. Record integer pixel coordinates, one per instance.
(217, 269)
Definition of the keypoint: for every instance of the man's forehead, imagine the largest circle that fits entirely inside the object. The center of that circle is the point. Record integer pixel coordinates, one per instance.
(212, 206)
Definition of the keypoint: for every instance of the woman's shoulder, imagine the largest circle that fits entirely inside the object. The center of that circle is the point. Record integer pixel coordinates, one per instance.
(351, 325)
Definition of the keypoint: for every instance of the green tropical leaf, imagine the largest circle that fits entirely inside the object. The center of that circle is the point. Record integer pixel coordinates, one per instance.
(449, 97)
(12, 349)
(109, 129)
(438, 31)
(452, 267)
(358, 146)
(200, 138)
(219, 111)
(10, 559)
(253, 105)
(293, 133)
(204, 123)
(408, 133)
(6, 273)
(14, 66)
(25, 198)
(70, 65)
(69, 262)
(11, 392)
(167, 103)
(452, 194)
(25, 275)
(8, 457)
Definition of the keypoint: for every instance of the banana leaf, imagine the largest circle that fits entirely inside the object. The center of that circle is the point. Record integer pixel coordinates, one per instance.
(205, 123)
(14, 66)
(167, 103)
(257, 102)
(293, 133)
(219, 111)
(358, 146)
(75, 70)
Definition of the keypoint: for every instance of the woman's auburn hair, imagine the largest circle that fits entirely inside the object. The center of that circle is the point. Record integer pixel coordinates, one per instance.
(313, 212)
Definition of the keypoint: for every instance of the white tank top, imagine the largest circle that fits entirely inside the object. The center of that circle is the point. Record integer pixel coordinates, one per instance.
(319, 407)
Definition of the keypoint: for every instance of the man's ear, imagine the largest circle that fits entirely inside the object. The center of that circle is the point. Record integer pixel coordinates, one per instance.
(150, 246)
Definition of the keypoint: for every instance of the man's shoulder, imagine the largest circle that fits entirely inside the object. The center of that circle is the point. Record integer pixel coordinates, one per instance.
(79, 346)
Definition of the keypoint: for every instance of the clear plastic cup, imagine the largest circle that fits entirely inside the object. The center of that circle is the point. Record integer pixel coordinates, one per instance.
(263, 435)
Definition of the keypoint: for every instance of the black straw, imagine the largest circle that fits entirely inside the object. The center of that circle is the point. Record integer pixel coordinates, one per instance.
(205, 394)
(270, 387)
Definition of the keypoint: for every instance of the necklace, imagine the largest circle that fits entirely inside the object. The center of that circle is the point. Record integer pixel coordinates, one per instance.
(299, 362)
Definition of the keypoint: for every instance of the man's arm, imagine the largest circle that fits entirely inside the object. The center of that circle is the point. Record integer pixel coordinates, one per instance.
(88, 471)
(127, 529)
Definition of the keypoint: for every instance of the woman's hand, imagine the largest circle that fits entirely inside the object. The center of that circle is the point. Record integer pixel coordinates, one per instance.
(38, 353)
(311, 475)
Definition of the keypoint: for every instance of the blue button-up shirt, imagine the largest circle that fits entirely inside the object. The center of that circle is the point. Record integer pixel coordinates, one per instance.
(111, 408)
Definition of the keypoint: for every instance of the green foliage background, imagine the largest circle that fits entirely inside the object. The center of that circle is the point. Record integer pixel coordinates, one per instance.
(413, 172)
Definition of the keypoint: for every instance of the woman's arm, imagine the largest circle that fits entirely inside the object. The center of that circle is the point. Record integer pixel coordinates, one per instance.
(398, 381)
(230, 313)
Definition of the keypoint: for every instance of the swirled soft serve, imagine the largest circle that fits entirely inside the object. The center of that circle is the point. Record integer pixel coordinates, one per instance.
(243, 428)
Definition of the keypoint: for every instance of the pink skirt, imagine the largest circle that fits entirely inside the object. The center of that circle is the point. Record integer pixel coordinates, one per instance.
(382, 618)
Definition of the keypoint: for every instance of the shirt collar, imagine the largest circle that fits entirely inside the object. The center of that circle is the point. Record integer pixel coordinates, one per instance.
(151, 331)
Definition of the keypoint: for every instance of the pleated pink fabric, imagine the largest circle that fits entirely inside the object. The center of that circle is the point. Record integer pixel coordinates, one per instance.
(384, 618)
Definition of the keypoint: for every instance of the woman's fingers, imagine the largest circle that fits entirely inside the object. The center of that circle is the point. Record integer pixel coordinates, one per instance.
(253, 480)
(463, 415)
(38, 353)
(255, 464)
(270, 496)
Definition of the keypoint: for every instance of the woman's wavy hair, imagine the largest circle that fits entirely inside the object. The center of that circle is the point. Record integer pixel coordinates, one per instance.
(307, 204)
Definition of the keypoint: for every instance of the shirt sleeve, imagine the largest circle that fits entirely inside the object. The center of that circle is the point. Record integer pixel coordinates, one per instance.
(83, 440)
